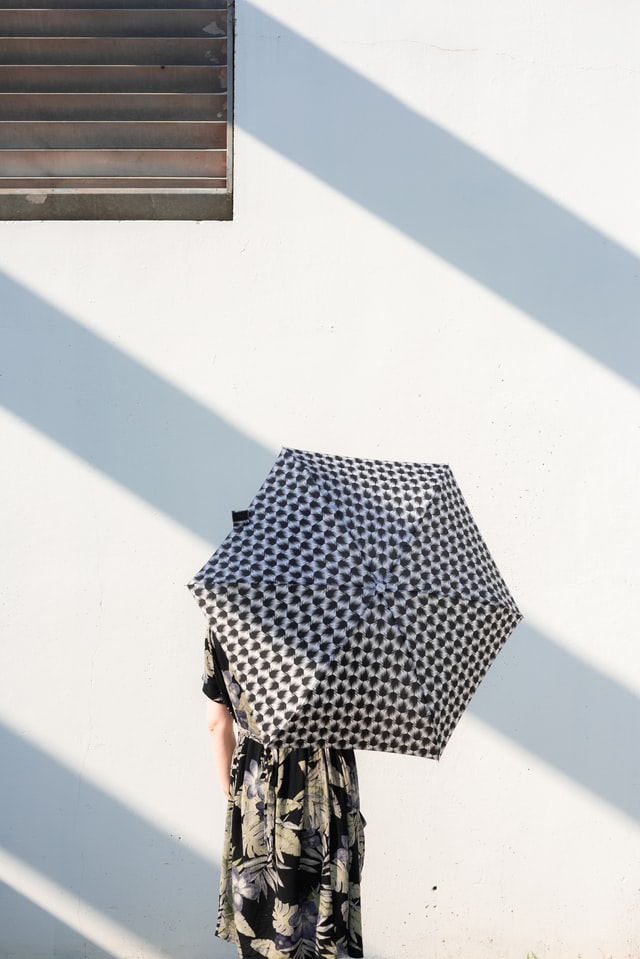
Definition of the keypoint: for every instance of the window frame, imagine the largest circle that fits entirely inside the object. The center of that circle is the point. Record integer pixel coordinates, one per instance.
(40, 198)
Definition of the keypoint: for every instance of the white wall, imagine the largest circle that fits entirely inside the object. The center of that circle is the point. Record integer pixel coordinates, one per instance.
(435, 256)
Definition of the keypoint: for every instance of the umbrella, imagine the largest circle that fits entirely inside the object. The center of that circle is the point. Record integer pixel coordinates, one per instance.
(356, 603)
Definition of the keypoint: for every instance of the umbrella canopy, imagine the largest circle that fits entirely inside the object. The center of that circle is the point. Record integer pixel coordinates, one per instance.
(356, 603)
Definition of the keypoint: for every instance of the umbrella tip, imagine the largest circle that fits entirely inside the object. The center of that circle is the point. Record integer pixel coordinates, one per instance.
(239, 516)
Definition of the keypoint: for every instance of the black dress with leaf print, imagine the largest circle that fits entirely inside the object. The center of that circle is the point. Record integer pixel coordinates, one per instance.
(294, 841)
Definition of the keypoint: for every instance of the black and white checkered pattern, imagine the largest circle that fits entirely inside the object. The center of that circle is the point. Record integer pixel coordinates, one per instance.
(358, 604)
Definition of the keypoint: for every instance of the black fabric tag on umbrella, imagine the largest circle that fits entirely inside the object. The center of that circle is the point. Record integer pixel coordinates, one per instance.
(239, 516)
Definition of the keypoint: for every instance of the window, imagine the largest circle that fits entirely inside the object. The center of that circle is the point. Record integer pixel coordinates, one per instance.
(115, 110)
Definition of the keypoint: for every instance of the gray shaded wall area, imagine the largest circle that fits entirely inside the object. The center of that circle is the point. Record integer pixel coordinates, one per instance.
(442, 193)
(143, 432)
(567, 712)
(19, 913)
(103, 852)
(121, 417)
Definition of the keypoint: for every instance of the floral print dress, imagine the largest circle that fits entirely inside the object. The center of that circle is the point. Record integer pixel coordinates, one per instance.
(294, 841)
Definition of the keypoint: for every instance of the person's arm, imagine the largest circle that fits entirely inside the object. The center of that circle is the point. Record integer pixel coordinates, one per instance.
(223, 740)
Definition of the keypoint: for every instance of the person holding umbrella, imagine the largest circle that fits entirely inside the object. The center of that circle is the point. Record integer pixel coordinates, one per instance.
(354, 605)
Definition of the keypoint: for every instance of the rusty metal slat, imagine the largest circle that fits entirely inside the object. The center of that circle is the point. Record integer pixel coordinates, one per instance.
(88, 51)
(113, 106)
(216, 5)
(130, 22)
(34, 184)
(118, 205)
(82, 163)
(112, 135)
(57, 78)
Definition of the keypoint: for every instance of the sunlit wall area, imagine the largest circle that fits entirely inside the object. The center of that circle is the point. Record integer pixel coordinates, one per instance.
(434, 257)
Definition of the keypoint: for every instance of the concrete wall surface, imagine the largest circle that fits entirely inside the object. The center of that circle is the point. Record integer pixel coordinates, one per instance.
(435, 256)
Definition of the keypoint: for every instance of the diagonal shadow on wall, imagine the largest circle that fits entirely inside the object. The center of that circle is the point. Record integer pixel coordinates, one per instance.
(20, 913)
(122, 418)
(146, 434)
(120, 864)
(363, 142)
(571, 715)
(104, 853)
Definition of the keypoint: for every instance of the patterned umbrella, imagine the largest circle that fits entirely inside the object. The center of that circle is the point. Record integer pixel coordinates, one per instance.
(356, 603)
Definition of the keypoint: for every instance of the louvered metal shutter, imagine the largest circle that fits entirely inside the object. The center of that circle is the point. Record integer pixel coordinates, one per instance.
(115, 110)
